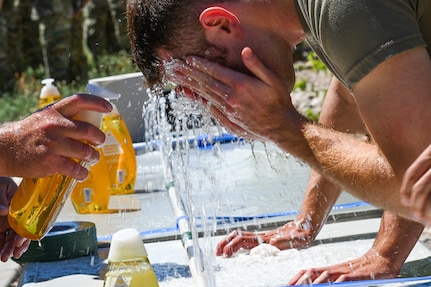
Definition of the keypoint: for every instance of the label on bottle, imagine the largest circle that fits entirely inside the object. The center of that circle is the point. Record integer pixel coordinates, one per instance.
(87, 194)
(121, 176)
(111, 145)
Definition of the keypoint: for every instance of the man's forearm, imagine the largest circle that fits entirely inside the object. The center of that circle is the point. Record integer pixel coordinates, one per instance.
(396, 237)
(357, 166)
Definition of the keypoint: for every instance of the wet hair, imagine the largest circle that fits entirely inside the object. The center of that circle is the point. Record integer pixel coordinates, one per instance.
(169, 24)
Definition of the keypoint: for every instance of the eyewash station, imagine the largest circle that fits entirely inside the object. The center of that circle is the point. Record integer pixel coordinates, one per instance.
(193, 186)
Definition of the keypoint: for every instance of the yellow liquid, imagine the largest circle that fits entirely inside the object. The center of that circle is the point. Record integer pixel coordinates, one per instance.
(119, 155)
(46, 100)
(92, 195)
(36, 204)
(130, 274)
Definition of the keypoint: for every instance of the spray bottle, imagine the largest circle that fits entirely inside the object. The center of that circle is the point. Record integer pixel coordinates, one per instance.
(38, 201)
(117, 150)
(49, 93)
(128, 263)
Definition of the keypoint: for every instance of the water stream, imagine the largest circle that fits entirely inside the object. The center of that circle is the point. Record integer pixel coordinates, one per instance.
(216, 181)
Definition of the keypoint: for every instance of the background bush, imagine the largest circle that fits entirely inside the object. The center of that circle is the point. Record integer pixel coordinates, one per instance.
(24, 100)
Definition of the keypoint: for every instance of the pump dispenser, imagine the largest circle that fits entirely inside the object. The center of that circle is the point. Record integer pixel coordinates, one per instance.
(128, 263)
(119, 153)
(49, 93)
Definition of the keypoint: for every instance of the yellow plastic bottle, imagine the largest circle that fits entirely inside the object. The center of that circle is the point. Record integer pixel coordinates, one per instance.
(128, 263)
(49, 93)
(92, 195)
(38, 201)
(119, 153)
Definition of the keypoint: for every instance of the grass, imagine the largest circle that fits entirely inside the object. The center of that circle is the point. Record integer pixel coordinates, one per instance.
(24, 100)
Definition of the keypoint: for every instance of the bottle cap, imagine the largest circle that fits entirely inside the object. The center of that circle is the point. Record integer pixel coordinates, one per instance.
(49, 89)
(126, 245)
(92, 117)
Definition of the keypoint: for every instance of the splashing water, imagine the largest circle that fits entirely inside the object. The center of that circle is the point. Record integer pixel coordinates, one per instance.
(184, 132)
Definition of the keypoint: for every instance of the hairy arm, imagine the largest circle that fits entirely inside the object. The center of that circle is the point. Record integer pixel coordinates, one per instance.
(47, 141)
(388, 100)
(338, 112)
(394, 103)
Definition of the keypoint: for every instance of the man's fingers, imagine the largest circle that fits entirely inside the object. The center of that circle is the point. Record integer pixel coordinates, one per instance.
(72, 105)
(201, 83)
(304, 277)
(418, 168)
(4, 201)
(21, 247)
(211, 75)
(69, 148)
(253, 63)
(246, 242)
(419, 196)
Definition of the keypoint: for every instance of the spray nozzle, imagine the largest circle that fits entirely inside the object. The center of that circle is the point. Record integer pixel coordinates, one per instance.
(102, 92)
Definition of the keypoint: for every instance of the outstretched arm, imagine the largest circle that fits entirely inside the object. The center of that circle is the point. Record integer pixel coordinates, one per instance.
(47, 141)
(340, 113)
(387, 100)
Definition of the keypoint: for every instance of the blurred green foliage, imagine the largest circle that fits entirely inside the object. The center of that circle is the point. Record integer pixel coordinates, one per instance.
(24, 100)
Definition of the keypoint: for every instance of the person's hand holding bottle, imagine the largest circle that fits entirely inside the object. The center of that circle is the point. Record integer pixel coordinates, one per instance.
(49, 140)
(11, 244)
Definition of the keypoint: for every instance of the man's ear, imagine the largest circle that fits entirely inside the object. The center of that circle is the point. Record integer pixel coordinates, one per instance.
(218, 22)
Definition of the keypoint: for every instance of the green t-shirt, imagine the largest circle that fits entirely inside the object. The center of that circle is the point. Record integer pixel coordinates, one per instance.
(352, 37)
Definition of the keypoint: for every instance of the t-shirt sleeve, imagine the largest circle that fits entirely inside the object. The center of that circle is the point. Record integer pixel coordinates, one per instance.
(358, 35)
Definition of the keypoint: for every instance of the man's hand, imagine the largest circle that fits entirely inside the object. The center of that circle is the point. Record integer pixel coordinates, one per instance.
(258, 107)
(11, 244)
(416, 187)
(51, 140)
(290, 235)
(370, 266)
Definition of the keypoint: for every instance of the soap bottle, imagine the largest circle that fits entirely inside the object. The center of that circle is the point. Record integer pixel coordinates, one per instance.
(128, 263)
(119, 153)
(49, 93)
(92, 195)
(38, 201)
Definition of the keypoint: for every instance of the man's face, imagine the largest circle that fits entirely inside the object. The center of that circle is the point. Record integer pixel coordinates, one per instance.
(275, 55)
(274, 52)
